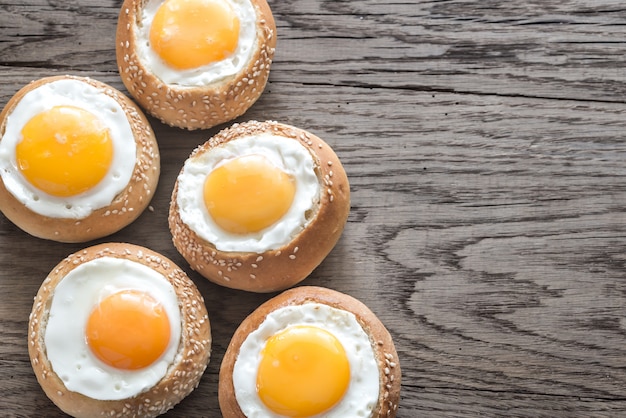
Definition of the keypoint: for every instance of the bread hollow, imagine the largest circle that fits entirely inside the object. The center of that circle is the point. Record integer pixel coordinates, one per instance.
(123, 209)
(182, 376)
(194, 107)
(382, 344)
(282, 267)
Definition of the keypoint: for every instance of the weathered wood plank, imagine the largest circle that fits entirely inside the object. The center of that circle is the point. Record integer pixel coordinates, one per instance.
(541, 49)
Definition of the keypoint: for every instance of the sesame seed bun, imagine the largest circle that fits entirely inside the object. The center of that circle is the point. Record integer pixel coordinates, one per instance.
(282, 267)
(182, 376)
(124, 208)
(198, 107)
(382, 345)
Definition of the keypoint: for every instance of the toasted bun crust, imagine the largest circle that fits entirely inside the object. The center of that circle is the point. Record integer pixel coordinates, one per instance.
(284, 267)
(199, 107)
(193, 353)
(126, 206)
(382, 344)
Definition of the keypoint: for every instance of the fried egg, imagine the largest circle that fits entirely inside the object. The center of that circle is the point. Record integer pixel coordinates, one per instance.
(67, 149)
(308, 360)
(113, 329)
(196, 42)
(250, 194)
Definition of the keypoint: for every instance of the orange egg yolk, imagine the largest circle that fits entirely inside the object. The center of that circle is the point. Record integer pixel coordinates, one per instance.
(248, 194)
(191, 33)
(128, 330)
(303, 371)
(64, 151)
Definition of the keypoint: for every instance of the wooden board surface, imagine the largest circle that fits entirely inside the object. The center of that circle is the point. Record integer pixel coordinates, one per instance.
(484, 142)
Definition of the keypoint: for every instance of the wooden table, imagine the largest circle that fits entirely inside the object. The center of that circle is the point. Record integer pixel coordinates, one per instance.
(484, 142)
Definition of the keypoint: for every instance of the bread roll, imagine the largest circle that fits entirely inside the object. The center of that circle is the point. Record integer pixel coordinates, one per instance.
(220, 257)
(386, 358)
(199, 97)
(191, 355)
(86, 215)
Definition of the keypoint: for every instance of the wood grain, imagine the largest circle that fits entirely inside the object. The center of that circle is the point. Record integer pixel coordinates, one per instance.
(484, 143)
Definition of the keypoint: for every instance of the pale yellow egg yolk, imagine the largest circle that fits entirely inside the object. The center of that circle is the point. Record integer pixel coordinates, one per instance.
(128, 330)
(303, 371)
(191, 33)
(248, 194)
(64, 151)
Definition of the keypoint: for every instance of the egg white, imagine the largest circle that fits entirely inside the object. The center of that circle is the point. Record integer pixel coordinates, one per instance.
(69, 92)
(286, 154)
(206, 74)
(361, 396)
(75, 296)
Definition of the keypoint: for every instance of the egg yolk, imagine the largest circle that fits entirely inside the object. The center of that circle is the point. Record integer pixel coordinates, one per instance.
(303, 371)
(191, 33)
(248, 194)
(64, 151)
(128, 330)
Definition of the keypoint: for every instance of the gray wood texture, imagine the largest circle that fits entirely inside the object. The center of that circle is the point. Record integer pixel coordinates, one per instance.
(484, 143)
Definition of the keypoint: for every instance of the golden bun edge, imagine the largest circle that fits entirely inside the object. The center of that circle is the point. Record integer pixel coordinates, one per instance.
(182, 377)
(381, 340)
(286, 266)
(200, 107)
(127, 205)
